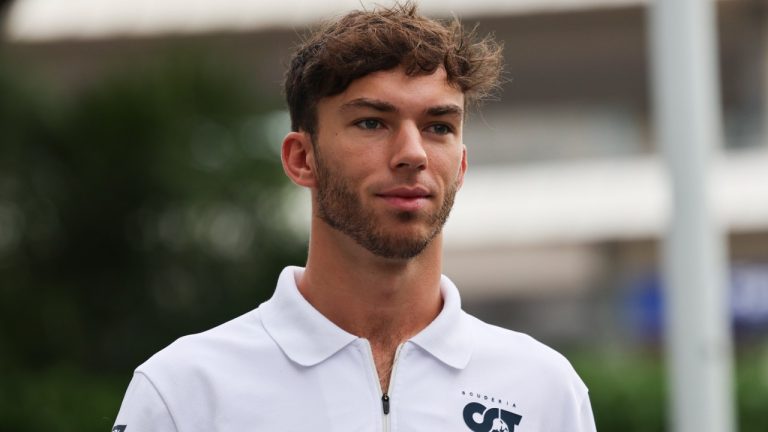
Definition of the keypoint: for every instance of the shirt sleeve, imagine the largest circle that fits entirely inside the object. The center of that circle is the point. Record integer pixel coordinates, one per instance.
(586, 420)
(143, 409)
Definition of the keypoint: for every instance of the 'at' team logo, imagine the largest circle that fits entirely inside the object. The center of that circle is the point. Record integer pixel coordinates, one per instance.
(480, 419)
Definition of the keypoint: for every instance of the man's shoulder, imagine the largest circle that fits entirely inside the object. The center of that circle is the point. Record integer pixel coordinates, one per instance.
(229, 343)
(514, 366)
(192, 377)
(505, 347)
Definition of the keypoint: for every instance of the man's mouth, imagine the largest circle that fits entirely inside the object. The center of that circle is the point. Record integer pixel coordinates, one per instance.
(406, 198)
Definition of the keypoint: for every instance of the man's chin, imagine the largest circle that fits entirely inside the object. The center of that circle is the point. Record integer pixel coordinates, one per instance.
(407, 216)
(400, 244)
(398, 252)
(403, 231)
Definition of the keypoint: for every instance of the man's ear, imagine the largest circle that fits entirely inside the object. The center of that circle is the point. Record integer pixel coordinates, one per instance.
(463, 166)
(298, 159)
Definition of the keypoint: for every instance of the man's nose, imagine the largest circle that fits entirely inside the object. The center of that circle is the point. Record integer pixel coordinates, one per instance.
(409, 151)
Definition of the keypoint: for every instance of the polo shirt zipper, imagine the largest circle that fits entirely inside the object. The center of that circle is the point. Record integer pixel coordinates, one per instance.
(385, 398)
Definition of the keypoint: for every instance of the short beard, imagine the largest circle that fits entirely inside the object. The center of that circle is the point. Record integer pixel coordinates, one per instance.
(341, 209)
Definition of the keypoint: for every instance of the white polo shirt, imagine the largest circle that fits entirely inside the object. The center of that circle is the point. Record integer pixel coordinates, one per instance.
(285, 367)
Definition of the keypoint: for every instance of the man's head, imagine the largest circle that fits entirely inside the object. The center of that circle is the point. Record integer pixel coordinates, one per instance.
(377, 103)
(363, 42)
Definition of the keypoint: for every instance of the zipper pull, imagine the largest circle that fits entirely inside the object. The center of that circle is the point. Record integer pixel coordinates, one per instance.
(385, 403)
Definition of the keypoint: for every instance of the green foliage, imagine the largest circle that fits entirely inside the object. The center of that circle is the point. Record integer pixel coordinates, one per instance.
(752, 385)
(60, 399)
(629, 393)
(149, 206)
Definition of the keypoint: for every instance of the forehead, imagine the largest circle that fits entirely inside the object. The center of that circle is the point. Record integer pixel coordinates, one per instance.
(407, 93)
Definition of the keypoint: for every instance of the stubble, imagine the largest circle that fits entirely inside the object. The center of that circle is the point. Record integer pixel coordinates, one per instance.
(342, 209)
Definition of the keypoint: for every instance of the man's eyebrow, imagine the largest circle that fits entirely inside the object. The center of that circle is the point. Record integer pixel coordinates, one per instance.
(442, 110)
(374, 104)
(383, 106)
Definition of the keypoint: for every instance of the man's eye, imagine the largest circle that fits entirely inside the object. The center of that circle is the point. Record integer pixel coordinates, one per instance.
(369, 124)
(440, 129)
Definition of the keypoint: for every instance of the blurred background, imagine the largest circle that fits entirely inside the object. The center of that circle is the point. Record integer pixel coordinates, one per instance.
(142, 198)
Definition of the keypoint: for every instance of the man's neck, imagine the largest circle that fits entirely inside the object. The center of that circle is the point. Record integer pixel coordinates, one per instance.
(370, 296)
(383, 300)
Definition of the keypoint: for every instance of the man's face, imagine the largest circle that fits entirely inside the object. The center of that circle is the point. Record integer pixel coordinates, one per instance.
(389, 159)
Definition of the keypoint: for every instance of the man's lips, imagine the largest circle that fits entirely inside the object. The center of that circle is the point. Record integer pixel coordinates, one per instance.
(406, 198)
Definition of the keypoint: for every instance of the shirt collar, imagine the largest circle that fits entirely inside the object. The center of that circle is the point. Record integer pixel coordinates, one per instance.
(308, 338)
(304, 334)
(448, 337)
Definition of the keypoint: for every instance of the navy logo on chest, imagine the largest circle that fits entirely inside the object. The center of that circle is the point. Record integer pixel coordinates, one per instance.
(493, 419)
(482, 418)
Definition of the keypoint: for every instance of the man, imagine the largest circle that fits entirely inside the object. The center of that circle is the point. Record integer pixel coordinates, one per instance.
(369, 336)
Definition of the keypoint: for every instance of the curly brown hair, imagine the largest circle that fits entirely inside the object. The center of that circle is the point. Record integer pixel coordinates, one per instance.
(362, 42)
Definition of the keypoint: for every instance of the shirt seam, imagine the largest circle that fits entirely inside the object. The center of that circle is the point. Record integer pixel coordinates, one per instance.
(585, 404)
(162, 399)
